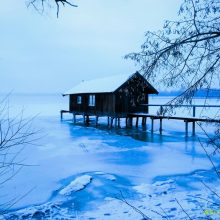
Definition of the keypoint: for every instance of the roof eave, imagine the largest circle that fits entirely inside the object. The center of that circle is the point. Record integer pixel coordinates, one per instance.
(86, 93)
(154, 92)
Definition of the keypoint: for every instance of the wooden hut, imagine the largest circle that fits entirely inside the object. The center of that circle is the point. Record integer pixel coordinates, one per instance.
(114, 96)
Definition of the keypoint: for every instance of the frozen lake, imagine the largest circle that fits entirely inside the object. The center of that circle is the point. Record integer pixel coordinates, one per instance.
(84, 172)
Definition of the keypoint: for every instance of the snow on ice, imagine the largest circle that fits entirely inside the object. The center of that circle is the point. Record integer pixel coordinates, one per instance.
(95, 168)
(78, 184)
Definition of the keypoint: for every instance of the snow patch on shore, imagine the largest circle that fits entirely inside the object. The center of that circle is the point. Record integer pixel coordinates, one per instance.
(159, 187)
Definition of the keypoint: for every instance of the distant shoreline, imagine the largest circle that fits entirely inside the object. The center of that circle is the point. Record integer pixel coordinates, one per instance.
(201, 94)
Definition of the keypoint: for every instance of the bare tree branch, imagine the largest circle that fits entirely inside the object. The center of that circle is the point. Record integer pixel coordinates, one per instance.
(39, 5)
(185, 53)
(16, 132)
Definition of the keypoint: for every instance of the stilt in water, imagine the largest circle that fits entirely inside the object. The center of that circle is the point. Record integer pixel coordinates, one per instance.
(61, 115)
(108, 121)
(144, 120)
(152, 125)
(186, 128)
(97, 121)
(130, 120)
(87, 119)
(74, 118)
(193, 128)
(142, 123)
(161, 126)
(119, 123)
(115, 122)
(111, 122)
(84, 119)
(137, 122)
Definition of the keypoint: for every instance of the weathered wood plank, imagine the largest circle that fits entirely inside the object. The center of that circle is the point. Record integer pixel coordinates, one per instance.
(189, 119)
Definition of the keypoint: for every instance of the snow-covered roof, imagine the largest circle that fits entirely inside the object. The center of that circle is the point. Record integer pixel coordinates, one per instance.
(106, 84)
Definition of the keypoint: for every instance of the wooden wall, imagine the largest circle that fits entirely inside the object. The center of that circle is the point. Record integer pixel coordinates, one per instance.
(104, 104)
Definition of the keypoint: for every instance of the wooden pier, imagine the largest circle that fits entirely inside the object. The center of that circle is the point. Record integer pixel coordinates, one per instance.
(129, 118)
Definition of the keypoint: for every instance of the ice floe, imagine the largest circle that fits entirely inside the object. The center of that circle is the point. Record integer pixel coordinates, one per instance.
(78, 184)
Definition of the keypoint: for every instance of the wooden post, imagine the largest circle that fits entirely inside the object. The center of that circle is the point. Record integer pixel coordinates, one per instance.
(186, 128)
(74, 118)
(145, 121)
(108, 121)
(87, 119)
(130, 121)
(137, 122)
(96, 121)
(193, 128)
(152, 125)
(142, 123)
(61, 115)
(84, 119)
(194, 123)
(119, 123)
(161, 126)
(111, 121)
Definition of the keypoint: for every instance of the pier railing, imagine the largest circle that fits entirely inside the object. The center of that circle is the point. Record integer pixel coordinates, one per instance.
(161, 106)
(186, 119)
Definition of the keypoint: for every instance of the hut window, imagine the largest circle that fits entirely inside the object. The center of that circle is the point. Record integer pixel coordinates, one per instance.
(79, 99)
(91, 100)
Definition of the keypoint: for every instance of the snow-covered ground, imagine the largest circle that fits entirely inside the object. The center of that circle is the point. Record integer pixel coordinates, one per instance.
(80, 172)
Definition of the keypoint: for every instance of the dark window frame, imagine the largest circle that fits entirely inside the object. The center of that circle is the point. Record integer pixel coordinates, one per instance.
(92, 101)
(79, 99)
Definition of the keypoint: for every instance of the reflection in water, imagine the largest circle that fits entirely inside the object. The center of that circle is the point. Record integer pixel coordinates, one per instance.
(193, 150)
(140, 133)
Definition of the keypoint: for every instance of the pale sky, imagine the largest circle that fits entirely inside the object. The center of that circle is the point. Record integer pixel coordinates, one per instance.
(43, 54)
